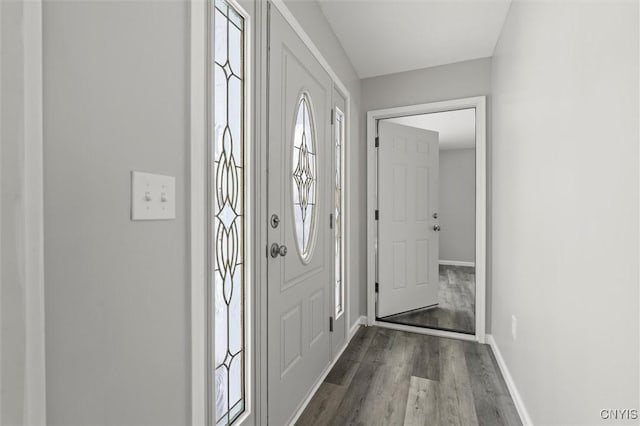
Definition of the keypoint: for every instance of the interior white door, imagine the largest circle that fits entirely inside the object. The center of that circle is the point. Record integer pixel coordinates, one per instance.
(299, 190)
(407, 223)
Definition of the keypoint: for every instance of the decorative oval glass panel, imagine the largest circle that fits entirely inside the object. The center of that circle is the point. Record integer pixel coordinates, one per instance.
(304, 178)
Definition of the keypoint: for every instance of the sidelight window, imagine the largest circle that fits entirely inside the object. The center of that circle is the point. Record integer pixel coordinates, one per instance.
(228, 198)
(338, 273)
(339, 282)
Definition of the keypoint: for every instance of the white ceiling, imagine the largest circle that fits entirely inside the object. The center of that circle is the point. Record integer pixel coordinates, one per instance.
(456, 128)
(389, 36)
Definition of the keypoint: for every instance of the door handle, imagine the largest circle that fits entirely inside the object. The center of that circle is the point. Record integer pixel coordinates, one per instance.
(436, 227)
(278, 250)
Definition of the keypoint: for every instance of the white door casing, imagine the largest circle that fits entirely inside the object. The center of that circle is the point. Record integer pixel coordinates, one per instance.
(408, 237)
(299, 283)
(479, 103)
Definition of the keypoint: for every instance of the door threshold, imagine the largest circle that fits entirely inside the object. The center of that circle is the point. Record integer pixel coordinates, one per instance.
(428, 331)
(451, 330)
(423, 308)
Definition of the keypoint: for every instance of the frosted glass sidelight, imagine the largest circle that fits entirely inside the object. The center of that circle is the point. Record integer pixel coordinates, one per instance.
(228, 230)
(339, 141)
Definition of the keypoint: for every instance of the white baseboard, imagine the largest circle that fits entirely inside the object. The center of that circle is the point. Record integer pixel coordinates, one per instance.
(326, 371)
(456, 263)
(362, 320)
(511, 385)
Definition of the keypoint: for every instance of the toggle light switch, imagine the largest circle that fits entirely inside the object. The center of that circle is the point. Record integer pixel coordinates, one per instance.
(152, 196)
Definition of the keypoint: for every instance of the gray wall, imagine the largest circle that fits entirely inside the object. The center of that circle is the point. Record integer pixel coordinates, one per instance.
(117, 306)
(565, 207)
(453, 81)
(457, 196)
(310, 16)
(117, 316)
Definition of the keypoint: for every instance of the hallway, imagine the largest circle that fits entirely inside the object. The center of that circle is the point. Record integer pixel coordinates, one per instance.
(394, 377)
(212, 210)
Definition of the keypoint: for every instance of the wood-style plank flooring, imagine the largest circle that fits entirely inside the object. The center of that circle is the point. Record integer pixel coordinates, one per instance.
(456, 303)
(389, 377)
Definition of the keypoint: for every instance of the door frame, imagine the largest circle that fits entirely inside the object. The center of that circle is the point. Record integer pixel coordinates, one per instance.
(29, 244)
(479, 103)
(202, 345)
(198, 260)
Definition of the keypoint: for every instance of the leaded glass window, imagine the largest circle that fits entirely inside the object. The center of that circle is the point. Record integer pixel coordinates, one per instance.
(304, 177)
(339, 141)
(228, 221)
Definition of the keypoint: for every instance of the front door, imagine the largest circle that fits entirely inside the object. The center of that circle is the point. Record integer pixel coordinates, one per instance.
(408, 224)
(299, 234)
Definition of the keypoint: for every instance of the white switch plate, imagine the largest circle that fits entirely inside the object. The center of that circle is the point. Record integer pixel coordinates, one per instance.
(153, 197)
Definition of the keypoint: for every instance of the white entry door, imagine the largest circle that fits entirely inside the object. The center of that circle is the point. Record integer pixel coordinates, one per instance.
(300, 174)
(407, 224)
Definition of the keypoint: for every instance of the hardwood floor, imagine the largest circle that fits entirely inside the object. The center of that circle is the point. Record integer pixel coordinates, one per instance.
(456, 303)
(389, 377)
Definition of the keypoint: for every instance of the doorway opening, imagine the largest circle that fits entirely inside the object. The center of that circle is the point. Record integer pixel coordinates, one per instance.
(426, 236)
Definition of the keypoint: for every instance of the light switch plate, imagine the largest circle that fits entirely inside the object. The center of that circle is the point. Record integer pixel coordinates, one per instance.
(153, 197)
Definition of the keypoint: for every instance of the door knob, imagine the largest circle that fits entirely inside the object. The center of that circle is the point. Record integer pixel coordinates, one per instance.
(278, 250)
(436, 227)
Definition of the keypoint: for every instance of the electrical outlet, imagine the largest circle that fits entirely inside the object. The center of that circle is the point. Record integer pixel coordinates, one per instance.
(514, 327)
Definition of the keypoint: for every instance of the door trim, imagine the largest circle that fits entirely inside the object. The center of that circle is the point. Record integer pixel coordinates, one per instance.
(30, 239)
(479, 103)
(197, 210)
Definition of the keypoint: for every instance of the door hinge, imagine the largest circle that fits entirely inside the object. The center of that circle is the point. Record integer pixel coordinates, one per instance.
(331, 221)
(377, 213)
(331, 324)
(332, 118)
(377, 141)
(377, 287)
